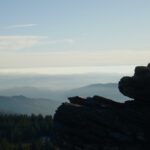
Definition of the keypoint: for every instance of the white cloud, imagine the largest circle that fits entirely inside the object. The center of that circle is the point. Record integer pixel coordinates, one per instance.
(68, 70)
(70, 58)
(20, 26)
(9, 43)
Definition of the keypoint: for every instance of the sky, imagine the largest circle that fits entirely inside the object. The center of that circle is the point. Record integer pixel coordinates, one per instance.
(73, 33)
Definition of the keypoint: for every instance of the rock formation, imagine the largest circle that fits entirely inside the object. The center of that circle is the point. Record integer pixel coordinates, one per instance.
(137, 86)
(97, 123)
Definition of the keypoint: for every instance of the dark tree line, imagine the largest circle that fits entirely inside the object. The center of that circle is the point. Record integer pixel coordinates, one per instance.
(22, 132)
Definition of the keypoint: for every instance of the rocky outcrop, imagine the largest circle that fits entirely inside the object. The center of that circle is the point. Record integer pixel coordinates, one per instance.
(97, 123)
(137, 86)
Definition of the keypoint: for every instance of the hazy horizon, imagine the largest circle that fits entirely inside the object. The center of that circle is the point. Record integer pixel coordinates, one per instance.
(61, 78)
(69, 43)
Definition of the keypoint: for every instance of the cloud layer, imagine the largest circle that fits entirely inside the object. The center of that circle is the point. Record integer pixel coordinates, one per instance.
(9, 43)
(49, 59)
(20, 26)
(12, 43)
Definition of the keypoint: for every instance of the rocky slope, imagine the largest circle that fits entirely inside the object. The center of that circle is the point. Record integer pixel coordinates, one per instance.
(97, 123)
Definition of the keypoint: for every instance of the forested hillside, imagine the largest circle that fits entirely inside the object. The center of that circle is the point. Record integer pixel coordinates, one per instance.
(22, 132)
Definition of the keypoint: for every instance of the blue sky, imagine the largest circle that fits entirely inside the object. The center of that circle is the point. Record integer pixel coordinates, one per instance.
(36, 33)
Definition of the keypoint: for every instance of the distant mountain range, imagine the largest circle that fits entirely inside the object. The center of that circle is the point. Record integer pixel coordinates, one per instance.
(109, 90)
(15, 100)
(30, 92)
(24, 105)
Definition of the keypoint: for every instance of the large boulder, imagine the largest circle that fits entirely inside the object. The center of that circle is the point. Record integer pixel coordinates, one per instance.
(97, 123)
(137, 86)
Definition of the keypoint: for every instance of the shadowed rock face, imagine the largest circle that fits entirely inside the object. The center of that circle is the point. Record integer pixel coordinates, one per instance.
(97, 123)
(137, 86)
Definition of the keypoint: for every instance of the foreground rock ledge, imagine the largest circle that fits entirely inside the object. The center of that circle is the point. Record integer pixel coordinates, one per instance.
(98, 123)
